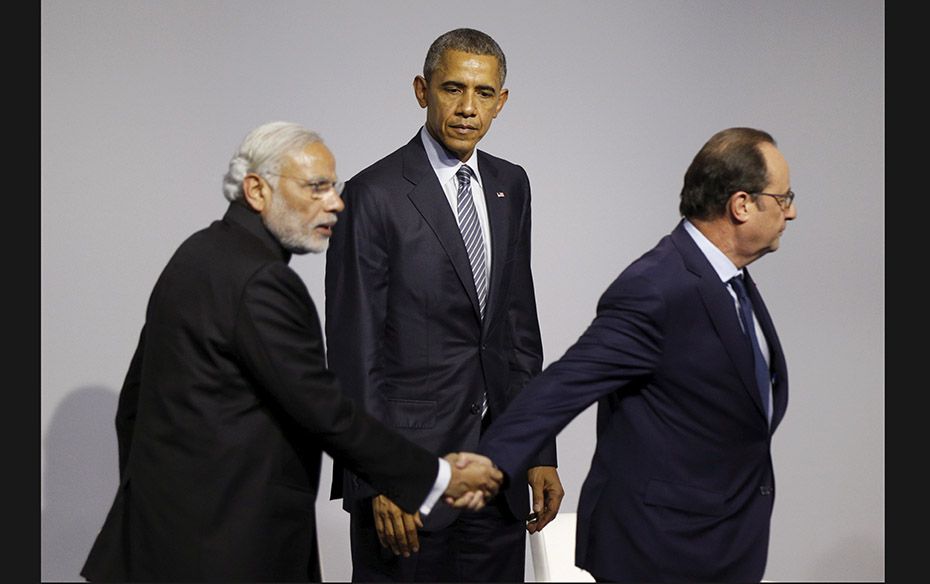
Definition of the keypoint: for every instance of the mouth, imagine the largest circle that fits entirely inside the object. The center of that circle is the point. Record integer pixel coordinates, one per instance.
(463, 129)
(325, 229)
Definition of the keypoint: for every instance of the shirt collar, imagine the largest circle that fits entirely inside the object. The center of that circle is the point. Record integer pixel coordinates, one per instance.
(718, 260)
(444, 164)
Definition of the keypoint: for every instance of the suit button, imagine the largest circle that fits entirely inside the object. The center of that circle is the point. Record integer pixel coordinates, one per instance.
(475, 409)
(484, 347)
(765, 490)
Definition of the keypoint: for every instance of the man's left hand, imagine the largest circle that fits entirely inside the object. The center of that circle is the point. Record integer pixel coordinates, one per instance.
(547, 495)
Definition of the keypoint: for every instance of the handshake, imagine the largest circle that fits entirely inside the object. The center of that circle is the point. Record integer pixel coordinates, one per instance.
(474, 480)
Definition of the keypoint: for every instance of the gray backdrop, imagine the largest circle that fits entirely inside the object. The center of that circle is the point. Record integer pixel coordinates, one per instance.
(143, 103)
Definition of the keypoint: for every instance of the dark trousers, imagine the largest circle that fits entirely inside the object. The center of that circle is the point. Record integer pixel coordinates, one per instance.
(481, 546)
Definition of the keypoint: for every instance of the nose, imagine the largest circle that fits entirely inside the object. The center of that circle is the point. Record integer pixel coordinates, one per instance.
(334, 203)
(792, 212)
(467, 104)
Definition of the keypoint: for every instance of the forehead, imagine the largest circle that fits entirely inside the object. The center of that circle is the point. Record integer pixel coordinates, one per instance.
(461, 66)
(312, 160)
(776, 166)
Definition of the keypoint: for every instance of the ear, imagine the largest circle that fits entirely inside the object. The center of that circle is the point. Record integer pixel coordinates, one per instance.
(501, 100)
(255, 191)
(738, 206)
(420, 89)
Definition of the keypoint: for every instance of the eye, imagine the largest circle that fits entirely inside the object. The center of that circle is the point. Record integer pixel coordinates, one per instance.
(319, 186)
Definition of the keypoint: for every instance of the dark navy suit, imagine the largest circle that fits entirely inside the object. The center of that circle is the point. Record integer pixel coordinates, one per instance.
(404, 331)
(681, 485)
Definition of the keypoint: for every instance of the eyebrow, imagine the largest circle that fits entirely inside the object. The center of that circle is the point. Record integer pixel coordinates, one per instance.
(461, 85)
(319, 178)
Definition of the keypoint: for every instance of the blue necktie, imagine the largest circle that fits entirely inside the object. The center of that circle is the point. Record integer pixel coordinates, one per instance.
(763, 376)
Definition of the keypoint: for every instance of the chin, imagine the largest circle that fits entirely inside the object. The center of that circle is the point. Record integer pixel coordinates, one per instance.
(317, 245)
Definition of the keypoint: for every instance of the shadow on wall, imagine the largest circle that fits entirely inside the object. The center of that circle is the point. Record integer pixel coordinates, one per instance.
(81, 477)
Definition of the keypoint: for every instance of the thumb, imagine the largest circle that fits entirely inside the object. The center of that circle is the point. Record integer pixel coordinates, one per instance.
(538, 497)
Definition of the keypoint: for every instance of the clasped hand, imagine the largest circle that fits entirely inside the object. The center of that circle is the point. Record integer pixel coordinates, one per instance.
(474, 480)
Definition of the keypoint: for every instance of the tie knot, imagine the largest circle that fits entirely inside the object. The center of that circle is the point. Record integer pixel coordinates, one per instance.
(739, 286)
(464, 174)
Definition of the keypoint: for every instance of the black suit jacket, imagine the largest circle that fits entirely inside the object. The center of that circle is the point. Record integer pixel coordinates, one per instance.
(403, 326)
(681, 484)
(222, 419)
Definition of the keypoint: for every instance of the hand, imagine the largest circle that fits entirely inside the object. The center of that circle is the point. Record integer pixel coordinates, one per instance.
(547, 495)
(396, 528)
(474, 480)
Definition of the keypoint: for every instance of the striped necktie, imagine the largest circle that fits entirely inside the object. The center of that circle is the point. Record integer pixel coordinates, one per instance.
(471, 234)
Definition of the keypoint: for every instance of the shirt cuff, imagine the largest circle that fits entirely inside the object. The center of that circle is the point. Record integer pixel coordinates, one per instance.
(443, 476)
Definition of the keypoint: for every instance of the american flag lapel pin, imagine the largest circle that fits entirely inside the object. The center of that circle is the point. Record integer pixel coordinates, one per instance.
(501, 194)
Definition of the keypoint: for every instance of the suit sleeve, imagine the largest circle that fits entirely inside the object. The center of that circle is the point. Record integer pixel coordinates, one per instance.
(620, 348)
(527, 354)
(128, 405)
(357, 278)
(279, 337)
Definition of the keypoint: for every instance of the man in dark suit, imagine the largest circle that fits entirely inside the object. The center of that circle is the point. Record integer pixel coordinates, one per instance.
(681, 484)
(228, 404)
(433, 331)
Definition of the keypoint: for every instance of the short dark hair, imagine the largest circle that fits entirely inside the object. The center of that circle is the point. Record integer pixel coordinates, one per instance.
(730, 161)
(467, 40)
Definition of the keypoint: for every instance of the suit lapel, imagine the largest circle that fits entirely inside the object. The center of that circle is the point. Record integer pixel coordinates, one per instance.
(499, 222)
(722, 312)
(430, 200)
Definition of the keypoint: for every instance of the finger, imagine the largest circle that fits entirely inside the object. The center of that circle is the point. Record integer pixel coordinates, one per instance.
(410, 530)
(460, 502)
(418, 520)
(551, 509)
(400, 534)
(538, 497)
(480, 502)
(464, 501)
(390, 537)
(379, 528)
(469, 457)
(545, 517)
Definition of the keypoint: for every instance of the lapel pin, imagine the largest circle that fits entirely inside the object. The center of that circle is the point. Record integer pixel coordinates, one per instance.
(501, 194)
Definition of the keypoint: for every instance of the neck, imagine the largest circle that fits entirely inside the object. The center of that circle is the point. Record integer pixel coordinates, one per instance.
(723, 235)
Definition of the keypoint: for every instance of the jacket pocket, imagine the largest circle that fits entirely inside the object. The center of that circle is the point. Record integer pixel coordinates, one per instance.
(411, 413)
(684, 498)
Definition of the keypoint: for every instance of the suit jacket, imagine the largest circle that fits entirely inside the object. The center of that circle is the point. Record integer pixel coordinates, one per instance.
(681, 485)
(403, 326)
(222, 419)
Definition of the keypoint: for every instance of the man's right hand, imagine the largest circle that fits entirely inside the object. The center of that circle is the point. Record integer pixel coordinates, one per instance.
(396, 529)
(474, 480)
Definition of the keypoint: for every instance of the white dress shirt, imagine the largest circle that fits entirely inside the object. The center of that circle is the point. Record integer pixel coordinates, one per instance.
(445, 166)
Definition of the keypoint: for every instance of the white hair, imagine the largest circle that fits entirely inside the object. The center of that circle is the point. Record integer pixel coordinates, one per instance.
(262, 152)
